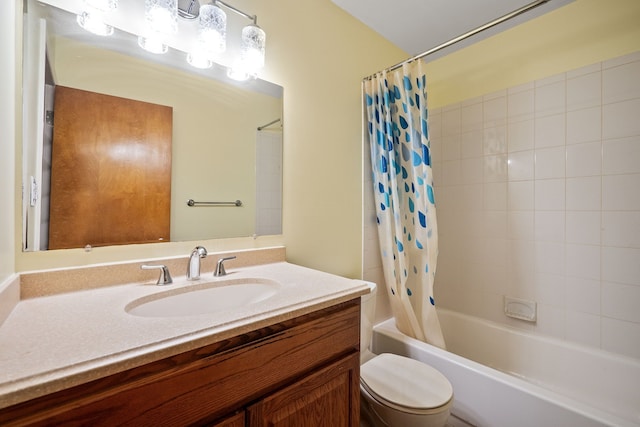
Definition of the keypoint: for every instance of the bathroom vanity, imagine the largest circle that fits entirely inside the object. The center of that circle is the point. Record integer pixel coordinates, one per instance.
(289, 360)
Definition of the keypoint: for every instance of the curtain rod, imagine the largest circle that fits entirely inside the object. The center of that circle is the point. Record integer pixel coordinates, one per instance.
(466, 35)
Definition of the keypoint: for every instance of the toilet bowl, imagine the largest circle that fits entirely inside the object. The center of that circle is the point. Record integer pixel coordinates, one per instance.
(397, 391)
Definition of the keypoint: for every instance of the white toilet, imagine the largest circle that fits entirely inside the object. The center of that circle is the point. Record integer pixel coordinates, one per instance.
(397, 391)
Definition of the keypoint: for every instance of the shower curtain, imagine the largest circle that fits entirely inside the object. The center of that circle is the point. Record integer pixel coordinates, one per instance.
(398, 134)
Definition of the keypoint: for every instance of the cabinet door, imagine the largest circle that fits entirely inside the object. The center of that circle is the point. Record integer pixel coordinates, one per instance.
(329, 397)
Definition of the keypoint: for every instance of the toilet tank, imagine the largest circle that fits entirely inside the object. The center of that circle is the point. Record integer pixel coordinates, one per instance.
(367, 316)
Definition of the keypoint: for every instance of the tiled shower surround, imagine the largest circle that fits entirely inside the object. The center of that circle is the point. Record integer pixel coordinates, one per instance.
(538, 197)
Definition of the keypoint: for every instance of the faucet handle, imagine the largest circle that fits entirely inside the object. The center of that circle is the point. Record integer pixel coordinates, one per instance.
(219, 270)
(165, 276)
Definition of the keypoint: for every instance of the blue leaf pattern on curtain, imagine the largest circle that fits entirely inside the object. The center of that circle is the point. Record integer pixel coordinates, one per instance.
(398, 134)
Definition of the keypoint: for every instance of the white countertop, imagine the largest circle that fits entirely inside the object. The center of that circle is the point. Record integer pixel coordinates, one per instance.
(55, 342)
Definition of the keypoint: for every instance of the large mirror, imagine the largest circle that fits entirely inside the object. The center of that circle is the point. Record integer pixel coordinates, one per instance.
(226, 135)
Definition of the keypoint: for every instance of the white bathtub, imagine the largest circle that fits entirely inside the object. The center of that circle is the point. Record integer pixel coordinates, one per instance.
(505, 377)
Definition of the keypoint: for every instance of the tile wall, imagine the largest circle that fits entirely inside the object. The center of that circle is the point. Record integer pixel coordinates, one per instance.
(538, 195)
(538, 190)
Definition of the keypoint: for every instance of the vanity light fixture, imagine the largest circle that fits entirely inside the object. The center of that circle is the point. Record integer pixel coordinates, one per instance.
(212, 33)
(91, 16)
(161, 22)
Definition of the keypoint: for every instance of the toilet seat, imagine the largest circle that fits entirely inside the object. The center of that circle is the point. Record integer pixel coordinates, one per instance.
(405, 384)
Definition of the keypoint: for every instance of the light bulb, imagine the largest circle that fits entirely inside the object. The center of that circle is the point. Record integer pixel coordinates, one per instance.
(212, 30)
(252, 49)
(199, 59)
(91, 17)
(237, 73)
(92, 23)
(152, 44)
(161, 16)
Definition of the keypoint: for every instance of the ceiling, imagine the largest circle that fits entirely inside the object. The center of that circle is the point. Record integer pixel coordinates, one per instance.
(419, 25)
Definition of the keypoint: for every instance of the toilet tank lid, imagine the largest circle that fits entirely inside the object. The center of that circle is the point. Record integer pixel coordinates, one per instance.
(406, 382)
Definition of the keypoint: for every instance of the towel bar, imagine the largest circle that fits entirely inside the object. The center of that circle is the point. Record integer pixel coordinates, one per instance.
(192, 202)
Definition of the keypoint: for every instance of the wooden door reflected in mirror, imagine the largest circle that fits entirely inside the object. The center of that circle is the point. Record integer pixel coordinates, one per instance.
(110, 171)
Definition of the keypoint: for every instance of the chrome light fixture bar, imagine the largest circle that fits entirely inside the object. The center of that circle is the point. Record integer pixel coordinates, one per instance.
(188, 9)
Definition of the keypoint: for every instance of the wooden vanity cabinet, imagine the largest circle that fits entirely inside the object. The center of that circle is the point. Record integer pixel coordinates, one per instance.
(300, 372)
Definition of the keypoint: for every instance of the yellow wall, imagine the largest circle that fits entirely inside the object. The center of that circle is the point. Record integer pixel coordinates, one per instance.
(582, 33)
(320, 60)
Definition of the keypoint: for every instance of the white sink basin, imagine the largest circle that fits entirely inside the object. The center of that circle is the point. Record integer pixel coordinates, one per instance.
(204, 298)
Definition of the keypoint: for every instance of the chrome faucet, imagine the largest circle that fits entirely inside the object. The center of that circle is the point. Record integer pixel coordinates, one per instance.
(165, 276)
(219, 270)
(193, 269)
